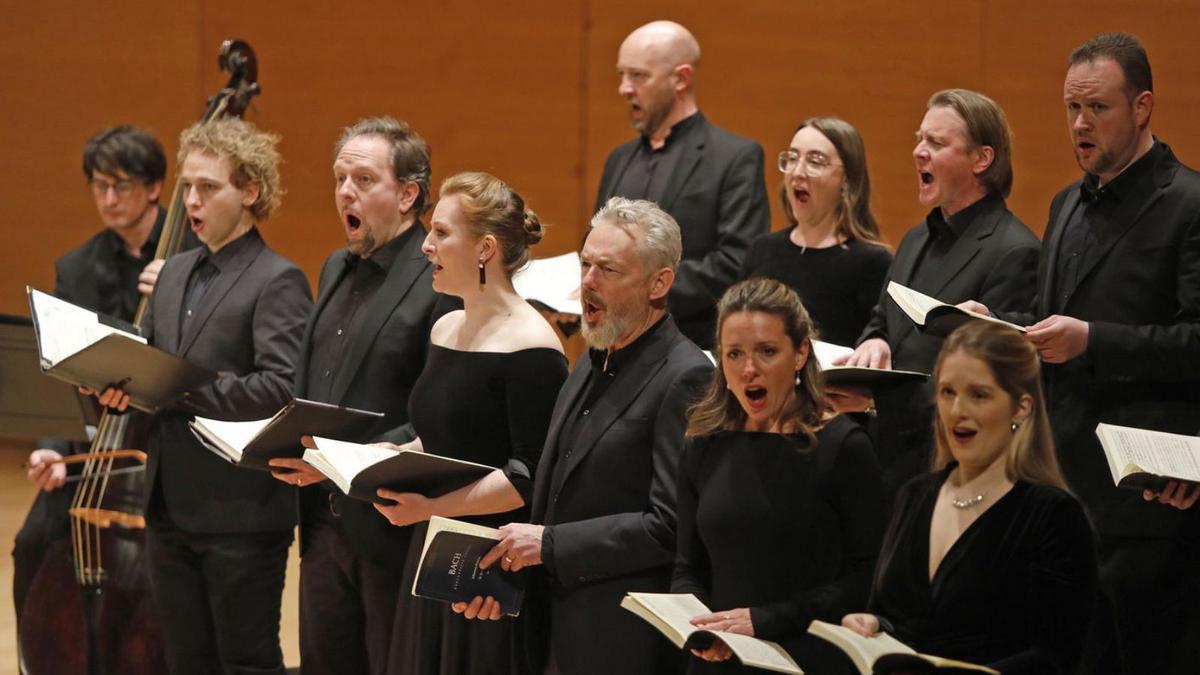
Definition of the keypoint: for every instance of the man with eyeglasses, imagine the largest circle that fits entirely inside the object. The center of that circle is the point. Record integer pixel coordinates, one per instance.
(969, 246)
(708, 179)
(125, 167)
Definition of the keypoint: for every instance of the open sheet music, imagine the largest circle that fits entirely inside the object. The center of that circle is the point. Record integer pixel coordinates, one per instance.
(360, 470)
(934, 316)
(826, 353)
(882, 653)
(551, 282)
(1145, 459)
(86, 349)
(671, 614)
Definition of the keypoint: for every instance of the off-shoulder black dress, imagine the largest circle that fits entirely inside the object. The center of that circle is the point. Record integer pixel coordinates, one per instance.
(491, 408)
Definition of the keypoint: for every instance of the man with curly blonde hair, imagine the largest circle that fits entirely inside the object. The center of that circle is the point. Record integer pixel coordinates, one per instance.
(217, 536)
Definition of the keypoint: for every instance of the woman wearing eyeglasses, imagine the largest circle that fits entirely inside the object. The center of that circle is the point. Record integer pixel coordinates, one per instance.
(831, 254)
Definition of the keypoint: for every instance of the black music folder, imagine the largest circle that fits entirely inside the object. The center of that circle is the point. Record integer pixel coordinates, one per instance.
(86, 349)
(359, 470)
(252, 444)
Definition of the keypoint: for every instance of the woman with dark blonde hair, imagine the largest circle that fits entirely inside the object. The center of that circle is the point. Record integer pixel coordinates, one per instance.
(831, 254)
(988, 559)
(780, 503)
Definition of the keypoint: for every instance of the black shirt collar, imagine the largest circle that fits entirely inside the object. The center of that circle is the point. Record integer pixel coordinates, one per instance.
(117, 244)
(1091, 190)
(625, 354)
(678, 132)
(958, 223)
(230, 251)
(383, 257)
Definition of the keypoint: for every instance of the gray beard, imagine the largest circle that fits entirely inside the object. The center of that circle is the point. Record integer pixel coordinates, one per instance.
(606, 334)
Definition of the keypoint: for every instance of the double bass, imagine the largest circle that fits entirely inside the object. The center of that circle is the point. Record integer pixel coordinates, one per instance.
(88, 609)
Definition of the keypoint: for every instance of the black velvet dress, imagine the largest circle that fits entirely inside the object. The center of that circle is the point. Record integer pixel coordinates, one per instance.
(491, 408)
(790, 532)
(1015, 592)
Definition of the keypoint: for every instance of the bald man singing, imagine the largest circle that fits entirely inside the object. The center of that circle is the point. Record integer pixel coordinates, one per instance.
(708, 179)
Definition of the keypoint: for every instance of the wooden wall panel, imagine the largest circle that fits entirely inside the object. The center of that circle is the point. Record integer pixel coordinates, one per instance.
(481, 91)
(771, 65)
(529, 93)
(1026, 48)
(72, 69)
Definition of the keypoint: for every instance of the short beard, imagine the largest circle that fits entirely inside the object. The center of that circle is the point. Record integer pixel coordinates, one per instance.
(363, 247)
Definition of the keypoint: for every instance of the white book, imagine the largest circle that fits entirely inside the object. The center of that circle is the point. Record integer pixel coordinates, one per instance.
(671, 614)
(882, 652)
(934, 316)
(551, 282)
(64, 329)
(1145, 459)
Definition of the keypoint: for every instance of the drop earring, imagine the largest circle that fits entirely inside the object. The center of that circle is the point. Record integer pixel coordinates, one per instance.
(797, 378)
(482, 273)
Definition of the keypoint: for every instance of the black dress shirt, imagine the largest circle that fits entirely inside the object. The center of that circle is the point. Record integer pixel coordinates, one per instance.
(605, 369)
(207, 268)
(119, 276)
(342, 317)
(646, 175)
(943, 232)
(1099, 209)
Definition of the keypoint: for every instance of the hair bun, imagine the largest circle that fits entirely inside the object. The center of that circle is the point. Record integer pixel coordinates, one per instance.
(533, 228)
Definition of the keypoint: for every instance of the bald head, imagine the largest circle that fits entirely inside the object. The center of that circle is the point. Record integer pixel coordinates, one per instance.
(666, 43)
(657, 66)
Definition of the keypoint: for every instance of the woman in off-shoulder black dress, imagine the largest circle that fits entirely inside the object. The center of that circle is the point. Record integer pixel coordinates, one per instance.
(485, 395)
(780, 506)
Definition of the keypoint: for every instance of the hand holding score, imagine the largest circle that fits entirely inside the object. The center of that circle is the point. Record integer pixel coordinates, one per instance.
(1058, 338)
(409, 507)
(873, 353)
(865, 625)
(520, 546)
(728, 621)
(1180, 494)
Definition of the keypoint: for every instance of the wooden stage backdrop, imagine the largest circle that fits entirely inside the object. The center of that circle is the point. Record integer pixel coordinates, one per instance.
(528, 91)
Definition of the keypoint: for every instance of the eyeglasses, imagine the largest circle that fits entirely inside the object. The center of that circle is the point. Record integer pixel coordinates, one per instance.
(814, 163)
(100, 187)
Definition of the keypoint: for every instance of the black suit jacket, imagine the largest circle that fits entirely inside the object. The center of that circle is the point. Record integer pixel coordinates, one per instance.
(718, 197)
(994, 261)
(247, 327)
(610, 520)
(1140, 294)
(384, 361)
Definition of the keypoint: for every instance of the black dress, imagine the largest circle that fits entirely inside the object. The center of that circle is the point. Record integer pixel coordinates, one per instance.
(838, 285)
(491, 408)
(1015, 592)
(791, 532)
